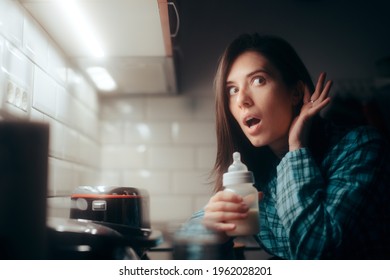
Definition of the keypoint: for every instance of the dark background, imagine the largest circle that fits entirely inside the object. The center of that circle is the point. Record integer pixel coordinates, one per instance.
(345, 38)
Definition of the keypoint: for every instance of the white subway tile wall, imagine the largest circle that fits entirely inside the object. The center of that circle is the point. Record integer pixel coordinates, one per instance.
(35, 43)
(45, 89)
(53, 92)
(12, 17)
(165, 145)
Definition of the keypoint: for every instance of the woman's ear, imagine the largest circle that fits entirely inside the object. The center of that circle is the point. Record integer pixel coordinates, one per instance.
(297, 94)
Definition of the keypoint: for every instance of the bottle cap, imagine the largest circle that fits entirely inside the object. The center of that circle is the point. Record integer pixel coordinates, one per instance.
(237, 172)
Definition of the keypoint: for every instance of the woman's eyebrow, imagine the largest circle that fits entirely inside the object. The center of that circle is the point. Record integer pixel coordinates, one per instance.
(261, 70)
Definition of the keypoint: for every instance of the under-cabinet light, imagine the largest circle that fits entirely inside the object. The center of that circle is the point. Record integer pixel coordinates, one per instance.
(101, 78)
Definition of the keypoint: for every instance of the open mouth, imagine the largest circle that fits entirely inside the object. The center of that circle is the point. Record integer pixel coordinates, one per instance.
(251, 122)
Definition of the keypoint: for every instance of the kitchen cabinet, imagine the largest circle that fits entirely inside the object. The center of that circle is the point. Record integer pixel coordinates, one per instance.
(134, 35)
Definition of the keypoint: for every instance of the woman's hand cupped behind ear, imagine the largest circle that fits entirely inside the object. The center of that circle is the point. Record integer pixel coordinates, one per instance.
(312, 105)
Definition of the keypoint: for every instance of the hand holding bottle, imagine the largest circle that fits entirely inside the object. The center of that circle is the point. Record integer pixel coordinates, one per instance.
(223, 208)
(234, 211)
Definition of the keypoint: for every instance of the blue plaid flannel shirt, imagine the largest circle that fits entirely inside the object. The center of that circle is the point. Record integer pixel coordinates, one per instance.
(336, 210)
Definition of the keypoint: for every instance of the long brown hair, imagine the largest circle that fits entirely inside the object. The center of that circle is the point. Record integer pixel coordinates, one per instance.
(230, 137)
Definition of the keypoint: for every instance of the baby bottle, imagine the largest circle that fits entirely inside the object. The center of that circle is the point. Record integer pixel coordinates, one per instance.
(239, 180)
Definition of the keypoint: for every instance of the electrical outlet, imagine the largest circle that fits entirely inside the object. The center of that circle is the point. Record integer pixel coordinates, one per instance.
(17, 99)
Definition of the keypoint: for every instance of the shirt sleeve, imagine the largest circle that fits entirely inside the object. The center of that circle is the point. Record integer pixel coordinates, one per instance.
(314, 205)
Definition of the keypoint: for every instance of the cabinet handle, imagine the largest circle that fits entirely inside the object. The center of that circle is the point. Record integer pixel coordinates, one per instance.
(177, 19)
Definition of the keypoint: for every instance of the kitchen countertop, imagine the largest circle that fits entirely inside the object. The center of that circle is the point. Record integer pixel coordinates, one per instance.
(245, 248)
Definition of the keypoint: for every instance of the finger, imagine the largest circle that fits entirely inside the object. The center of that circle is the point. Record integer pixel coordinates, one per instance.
(219, 227)
(216, 217)
(325, 91)
(319, 106)
(224, 206)
(226, 196)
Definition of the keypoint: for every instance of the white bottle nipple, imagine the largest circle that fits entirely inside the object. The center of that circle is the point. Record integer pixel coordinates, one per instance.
(237, 165)
(237, 172)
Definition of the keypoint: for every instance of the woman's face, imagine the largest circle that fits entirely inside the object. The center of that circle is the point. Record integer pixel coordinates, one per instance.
(260, 101)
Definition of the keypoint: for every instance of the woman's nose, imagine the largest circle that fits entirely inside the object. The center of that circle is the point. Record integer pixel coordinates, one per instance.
(244, 98)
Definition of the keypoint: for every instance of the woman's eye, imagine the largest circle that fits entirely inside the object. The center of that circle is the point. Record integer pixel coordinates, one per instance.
(258, 81)
(232, 90)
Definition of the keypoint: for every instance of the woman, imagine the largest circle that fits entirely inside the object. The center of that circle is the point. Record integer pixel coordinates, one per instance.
(325, 188)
